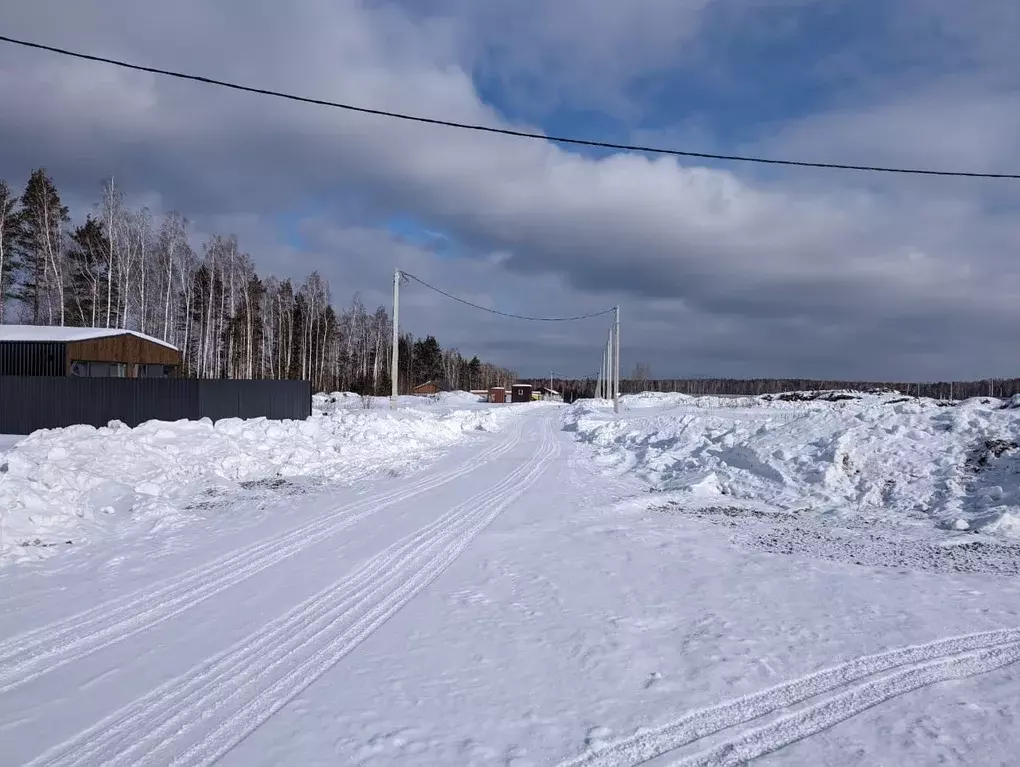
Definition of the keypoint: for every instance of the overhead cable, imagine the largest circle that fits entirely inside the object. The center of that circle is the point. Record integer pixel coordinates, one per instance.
(569, 140)
(503, 314)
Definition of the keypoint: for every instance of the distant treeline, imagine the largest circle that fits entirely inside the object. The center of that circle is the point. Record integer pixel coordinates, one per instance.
(581, 388)
(125, 268)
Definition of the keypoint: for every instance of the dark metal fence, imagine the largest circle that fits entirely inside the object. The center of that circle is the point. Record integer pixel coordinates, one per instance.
(28, 403)
(32, 358)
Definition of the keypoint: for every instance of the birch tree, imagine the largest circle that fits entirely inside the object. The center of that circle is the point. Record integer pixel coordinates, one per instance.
(121, 269)
(112, 216)
(173, 255)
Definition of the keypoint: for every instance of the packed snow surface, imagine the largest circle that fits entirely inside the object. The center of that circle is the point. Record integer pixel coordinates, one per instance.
(804, 580)
(61, 487)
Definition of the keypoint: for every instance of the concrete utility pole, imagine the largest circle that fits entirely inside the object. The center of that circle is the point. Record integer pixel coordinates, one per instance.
(395, 352)
(616, 362)
(609, 364)
(602, 374)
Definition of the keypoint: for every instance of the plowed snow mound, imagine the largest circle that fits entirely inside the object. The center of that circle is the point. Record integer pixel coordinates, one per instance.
(55, 482)
(340, 400)
(880, 457)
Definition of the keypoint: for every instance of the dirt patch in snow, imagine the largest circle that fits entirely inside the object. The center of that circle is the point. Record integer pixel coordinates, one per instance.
(855, 542)
(992, 448)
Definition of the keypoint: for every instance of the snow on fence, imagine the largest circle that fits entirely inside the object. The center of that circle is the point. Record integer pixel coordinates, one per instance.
(28, 403)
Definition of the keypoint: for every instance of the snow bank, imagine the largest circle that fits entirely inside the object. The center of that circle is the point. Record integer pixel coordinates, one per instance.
(880, 456)
(339, 400)
(331, 402)
(55, 485)
(783, 401)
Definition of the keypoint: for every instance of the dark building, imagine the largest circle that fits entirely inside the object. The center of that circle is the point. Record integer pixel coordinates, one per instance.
(51, 377)
(520, 393)
(426, 389)
(36, 350)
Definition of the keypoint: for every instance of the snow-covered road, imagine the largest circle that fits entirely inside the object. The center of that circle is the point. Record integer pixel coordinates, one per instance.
(510, 603)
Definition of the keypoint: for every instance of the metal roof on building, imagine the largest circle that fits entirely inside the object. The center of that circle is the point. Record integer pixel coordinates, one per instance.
(61, 334)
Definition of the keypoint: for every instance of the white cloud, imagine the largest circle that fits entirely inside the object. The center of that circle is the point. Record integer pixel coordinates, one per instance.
(718, 270)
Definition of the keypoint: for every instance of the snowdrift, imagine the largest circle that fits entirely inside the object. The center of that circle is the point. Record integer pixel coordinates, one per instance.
(57, 485)
(884, 457)
(331, 402)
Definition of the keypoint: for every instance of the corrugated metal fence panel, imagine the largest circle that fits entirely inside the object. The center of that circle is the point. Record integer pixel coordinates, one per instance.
(28, 403)
(32, 358)
(218, 399)
(278, 400)
(150, 399)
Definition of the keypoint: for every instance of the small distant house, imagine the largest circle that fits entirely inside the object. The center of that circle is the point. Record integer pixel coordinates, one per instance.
(37, 350)
(521, 393)
(497, 395)
(425, 389)
(548, 394)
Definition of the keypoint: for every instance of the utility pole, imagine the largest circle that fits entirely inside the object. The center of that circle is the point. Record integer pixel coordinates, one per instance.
(395, 352)
(616, 363)
(602, 373)
(609, 364)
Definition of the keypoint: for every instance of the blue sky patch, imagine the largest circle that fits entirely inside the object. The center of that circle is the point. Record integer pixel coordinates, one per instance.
(413, 231)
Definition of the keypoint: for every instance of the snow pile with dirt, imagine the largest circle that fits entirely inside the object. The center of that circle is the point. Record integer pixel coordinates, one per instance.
(798, 400)
(324, 402)
(57, 485)
(331, 402)
(869, 457)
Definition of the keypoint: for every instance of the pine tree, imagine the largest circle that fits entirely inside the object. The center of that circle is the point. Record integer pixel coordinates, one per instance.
(406, 373)
(10, 233)
(87, 263)
(41, 250)
(474, 368)
(428, 361)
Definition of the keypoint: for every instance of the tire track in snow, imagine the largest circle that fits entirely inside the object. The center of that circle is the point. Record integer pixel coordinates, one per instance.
(648, 744)
(201, 715)
(838, 708)
(32, 654)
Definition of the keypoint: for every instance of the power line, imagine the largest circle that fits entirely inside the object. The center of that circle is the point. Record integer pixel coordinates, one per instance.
(503, 131)
(504, 314)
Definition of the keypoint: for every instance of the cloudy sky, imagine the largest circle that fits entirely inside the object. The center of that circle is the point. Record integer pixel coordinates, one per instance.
(720, 269)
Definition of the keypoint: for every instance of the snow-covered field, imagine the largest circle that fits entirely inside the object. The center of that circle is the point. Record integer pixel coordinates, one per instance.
(693, 581)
